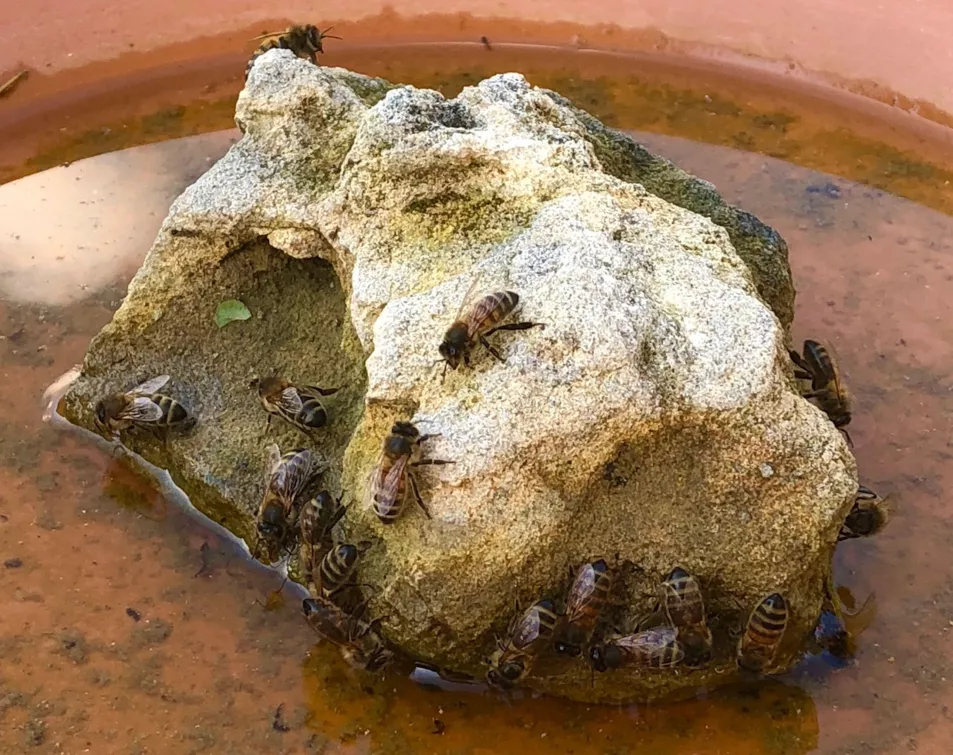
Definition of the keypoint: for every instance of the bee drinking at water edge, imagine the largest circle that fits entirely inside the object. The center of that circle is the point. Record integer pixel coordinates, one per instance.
(388, 487)
(528, 635)
(656, 648)
(300, 406)
(684, 605)
(360, 640)
(335, 569)
(827, 388)
(287, 484)
(303, 41)
(763, 634)
(587, 598)
(476, 324)
(867, 516)
(317, 519)
(142, 407)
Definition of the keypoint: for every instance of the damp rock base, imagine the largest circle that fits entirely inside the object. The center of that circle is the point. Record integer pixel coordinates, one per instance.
(652, 421)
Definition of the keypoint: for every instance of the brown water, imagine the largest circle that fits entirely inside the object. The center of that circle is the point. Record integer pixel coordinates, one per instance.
(128, 627)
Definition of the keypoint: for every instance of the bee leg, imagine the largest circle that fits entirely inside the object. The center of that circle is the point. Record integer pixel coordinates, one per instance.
(424, 438)
(850, 441)
(327, 391)
(431, 462)
(799, 362)
(419, 499)
(494, 352)
(515, 326)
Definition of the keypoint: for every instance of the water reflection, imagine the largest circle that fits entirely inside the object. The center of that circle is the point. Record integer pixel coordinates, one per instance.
(70, 232)
(98, 544)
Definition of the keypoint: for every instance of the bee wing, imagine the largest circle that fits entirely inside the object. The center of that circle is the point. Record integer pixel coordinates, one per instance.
(141, 409)
(466, 297)
(297, 476)
(289, 401)
(385, 484)
(149, 387)
(838, 365)
(526, 632)
(268, 35)
(648, 644)
(274, 459)
(581, 592)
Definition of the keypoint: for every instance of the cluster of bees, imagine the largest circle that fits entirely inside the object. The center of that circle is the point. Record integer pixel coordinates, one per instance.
(292, 510)
(674, 633)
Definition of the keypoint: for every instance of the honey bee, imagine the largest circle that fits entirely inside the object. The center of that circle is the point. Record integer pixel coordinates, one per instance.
(819, 366)
(142, 407)
(289, 478)
(335, 569)
(656, 648)
(303, 41)
(681, 597)
(300, 406)
(388, 487)
(528, 635)
(359, 640)
(318, 517)
(584, 604)
(763, 634)
(476, 324)
(867, 516)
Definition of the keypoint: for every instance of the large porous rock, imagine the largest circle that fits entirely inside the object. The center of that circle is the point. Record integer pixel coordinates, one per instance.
(652, 420)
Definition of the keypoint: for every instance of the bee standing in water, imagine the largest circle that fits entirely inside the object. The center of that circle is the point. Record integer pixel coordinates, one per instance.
(318, 518)
(300, 406)
(476, 324)
(289, 478)
(142, 407)
(587, 597)
(388, 488)
(684, 605)
(819, 366)
(763, 634)
(657, 648)
(360, 641)
(303, 41)
(867, 516)
(528, 635)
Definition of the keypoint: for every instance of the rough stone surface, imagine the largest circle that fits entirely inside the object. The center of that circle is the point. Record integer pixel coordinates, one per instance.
(638, 425)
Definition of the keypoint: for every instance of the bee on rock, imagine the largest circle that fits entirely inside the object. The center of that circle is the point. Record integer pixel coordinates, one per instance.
(303, 41)
(142, 407)
(388, 487)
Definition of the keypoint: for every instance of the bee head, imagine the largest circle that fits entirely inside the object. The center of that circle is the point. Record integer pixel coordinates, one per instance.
(566, 648)
(453, 346)
(379, 659)
(101, 413)
(677, 575)
(597, 659)
(504, 676)
(775, 601)
(405, 430)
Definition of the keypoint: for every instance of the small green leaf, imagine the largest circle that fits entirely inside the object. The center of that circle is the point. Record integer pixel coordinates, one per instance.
(229, 311)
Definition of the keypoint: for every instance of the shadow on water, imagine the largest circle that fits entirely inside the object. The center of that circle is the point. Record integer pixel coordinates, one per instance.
(128, 627)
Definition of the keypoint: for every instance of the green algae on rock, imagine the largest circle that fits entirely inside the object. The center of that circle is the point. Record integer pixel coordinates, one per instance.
(352, 218)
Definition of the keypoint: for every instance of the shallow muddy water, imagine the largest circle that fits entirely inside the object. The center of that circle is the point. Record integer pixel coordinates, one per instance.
(127, 627)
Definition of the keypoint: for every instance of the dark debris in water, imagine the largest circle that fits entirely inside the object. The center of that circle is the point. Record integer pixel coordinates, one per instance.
(278, 722)
(827, 189)
(133, 614)
(13, 563)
